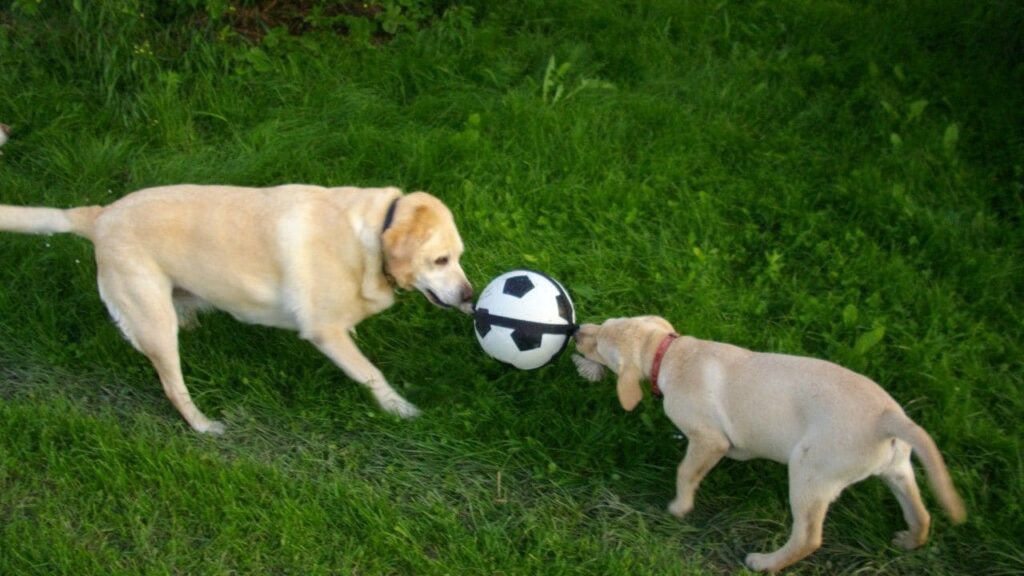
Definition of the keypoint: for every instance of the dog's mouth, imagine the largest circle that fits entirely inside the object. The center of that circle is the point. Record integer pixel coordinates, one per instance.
(465, 306)
(435, 299)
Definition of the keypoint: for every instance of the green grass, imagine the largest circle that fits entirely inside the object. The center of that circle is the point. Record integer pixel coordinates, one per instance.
(799, 177)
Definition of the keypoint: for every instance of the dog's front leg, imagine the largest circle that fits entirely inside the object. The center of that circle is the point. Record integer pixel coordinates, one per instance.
(337, 344)
(702, 453)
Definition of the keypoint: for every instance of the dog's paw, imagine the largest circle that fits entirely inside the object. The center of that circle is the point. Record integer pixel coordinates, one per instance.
(211, 427)
(904, 539)
(678, 508)
(400, 407)
(589, 369)
(761, 562)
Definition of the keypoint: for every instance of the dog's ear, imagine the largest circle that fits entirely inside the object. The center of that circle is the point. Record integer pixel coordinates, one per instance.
(628, 387)
(400, 243)
(664, 324)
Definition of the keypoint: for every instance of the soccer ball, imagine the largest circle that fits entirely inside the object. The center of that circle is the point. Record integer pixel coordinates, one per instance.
(524, 318)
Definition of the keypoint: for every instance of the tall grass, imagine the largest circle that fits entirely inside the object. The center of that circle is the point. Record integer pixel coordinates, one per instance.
(842, 180)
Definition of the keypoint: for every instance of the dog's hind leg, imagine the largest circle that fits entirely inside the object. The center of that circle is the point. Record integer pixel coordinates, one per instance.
(809, 497)
(140, 302)
(900, 479)
(187, 306)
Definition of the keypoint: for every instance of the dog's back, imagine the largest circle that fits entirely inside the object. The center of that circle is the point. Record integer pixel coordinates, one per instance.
(768, 402)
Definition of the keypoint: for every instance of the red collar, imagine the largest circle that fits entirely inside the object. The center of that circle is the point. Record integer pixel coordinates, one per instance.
(656, 365)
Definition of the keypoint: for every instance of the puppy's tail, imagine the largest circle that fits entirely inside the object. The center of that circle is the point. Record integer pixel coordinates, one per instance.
(893, 423)
(32, 220)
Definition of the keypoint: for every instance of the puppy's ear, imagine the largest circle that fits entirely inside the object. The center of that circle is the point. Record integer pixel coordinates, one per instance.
(665, 324)
(628, 387)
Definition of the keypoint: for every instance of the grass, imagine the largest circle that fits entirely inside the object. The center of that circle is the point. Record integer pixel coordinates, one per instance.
(841, 180)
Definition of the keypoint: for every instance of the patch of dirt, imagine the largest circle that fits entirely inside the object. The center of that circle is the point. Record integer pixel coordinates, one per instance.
(252, 20)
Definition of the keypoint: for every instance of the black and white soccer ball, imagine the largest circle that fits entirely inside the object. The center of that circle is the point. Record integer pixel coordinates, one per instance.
(524, 318)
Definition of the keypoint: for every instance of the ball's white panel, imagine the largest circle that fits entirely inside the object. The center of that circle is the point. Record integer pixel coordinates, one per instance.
(533, 299)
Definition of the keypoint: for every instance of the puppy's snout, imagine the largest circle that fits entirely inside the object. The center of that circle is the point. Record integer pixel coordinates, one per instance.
(586, 339)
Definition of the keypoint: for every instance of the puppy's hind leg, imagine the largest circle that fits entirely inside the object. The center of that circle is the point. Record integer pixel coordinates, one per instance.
(809, 498)
(900, 479)
(702, 453)
(141, 305)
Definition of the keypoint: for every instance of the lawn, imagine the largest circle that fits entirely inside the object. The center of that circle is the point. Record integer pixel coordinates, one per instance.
(843, 180)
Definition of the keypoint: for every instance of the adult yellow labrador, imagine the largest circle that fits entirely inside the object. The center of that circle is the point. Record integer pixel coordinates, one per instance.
(307, 258)
(832, 426)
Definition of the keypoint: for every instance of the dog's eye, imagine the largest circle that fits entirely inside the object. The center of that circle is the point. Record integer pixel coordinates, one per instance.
(442, 261)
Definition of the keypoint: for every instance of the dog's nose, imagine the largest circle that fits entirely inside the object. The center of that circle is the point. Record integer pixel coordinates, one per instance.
(467, 292)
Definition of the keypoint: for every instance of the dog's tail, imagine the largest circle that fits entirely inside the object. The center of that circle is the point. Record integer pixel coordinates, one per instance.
(32, 220)
(894, 423)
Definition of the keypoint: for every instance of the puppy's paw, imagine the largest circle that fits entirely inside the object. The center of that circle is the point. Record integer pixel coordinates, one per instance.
(400, 407)
(589, 369)
(679, 509)
(761, 562)
(904, 539)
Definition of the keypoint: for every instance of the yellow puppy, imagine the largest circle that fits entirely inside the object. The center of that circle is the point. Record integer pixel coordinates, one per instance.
(833, 427)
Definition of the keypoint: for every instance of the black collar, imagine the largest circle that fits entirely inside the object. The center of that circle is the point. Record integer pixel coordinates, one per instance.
(390, 216)
(389, 219)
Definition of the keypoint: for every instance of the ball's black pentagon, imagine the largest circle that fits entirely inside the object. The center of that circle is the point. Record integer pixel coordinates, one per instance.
(527, 339)
(518, 286)
(565, 310)
(482, 321)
